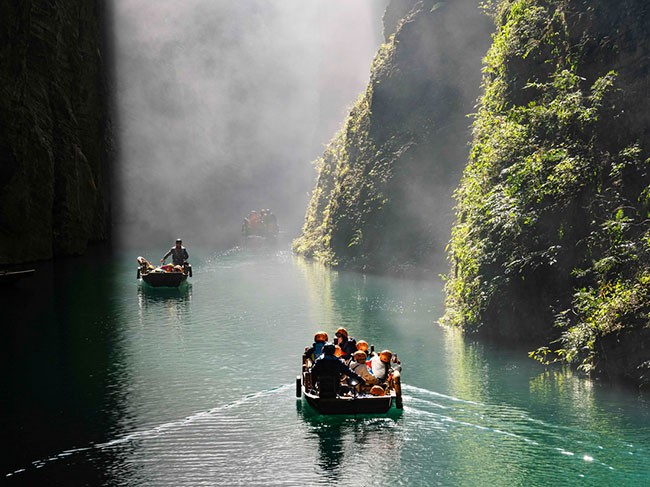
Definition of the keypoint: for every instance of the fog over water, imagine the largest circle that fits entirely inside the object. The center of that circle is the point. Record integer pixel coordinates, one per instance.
(222, 106)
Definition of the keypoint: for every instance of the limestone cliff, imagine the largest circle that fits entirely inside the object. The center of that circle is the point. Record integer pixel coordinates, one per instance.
(382, 201)
(54, 142)
(551, 246)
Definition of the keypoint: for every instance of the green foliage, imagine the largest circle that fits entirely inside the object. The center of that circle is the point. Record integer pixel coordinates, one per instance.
(344, 195)
(549, 218)
(397, 150)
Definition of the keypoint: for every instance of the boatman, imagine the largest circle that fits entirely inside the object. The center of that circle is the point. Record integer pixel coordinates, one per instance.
(178, 252)
(331, 367)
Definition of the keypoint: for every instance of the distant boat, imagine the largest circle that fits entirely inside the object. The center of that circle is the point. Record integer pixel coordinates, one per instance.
(164, 276)
(260, 224)
(349, 403)
(10, 277)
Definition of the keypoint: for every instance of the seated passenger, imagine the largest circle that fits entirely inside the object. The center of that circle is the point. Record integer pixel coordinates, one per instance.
(359, 367)
(348, 344)
(328, 371)
(380, 365)
(362, 345)
(316, 350)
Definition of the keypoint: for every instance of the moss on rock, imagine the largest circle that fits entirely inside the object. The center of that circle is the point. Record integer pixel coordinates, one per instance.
(550, 246)
(382, 199)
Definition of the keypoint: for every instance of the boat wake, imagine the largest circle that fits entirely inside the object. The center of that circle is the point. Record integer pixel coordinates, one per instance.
(158, 430)
(516, 431)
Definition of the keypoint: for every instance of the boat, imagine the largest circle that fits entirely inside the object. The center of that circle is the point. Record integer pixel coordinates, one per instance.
(10, 277)
(351, 401)
(163, 276)
(260, 224)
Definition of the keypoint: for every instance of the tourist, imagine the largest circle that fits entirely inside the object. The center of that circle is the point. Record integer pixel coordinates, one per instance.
(316, 350)
(270, 222)
(359, 367)
(348, 344)
(380, 365)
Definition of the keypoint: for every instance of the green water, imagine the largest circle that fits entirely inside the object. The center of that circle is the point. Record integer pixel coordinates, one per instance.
(108, 382)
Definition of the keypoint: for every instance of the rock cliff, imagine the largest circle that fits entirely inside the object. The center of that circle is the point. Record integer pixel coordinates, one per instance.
(551, 246)
(551, 242)
(382, 202)
(54, 128)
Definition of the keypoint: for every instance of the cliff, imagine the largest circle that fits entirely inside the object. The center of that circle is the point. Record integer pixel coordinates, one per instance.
(54, 129)
(552, 238)
(382, 201)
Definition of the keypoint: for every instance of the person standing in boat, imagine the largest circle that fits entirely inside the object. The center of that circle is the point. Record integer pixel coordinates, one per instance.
(179, 254)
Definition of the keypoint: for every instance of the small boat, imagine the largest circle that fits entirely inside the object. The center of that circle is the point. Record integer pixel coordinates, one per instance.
(163, 276)
(350, 402)
(10, 277)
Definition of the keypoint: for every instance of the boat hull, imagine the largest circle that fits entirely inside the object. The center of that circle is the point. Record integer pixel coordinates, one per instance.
(164, 279)
(350, 405)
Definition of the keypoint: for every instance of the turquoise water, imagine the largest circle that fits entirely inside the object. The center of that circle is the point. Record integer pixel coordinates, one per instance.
(113, 383)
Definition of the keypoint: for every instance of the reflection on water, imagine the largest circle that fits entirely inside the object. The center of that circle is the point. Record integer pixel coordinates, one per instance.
(115, 383)
(174, 300)
(359, 447)
(320, 282)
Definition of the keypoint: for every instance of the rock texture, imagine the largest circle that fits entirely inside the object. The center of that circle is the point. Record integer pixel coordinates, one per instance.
(551, 246)
(382, 202)
(54, 137)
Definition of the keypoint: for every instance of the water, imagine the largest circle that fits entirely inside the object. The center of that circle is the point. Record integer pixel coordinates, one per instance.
(108, 382)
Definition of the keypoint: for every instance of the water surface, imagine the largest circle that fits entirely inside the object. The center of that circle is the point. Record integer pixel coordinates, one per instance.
(109, 382)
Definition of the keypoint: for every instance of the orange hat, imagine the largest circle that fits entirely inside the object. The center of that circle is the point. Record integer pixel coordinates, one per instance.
(342, 331)
(320, 336)
(338, 352)
(385, 355)
(377, 391)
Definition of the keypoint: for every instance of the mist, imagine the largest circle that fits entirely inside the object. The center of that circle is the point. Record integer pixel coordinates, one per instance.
(221, 106)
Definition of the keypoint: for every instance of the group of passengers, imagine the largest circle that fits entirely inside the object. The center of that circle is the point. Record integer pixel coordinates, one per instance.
(260, 223)
(346, 358)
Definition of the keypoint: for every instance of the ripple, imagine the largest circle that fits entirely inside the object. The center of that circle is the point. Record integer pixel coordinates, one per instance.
(228, 439)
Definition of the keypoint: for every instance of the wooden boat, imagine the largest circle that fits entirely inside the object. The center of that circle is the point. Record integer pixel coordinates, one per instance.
(165, 276)
(10, 277)
(350, 402)
(164, 279)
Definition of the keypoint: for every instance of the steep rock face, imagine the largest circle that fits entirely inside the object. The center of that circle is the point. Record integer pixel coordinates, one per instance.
(552, 225)
(54, 145)
(382, 201)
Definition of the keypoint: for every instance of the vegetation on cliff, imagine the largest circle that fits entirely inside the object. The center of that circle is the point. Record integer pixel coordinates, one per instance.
(54, 146)
(553, 209)
(382, 201)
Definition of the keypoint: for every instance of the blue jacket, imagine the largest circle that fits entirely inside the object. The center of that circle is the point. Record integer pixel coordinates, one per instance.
(315, 351)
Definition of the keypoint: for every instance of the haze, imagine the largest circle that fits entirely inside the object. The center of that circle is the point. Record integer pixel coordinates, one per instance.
(221, 106)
